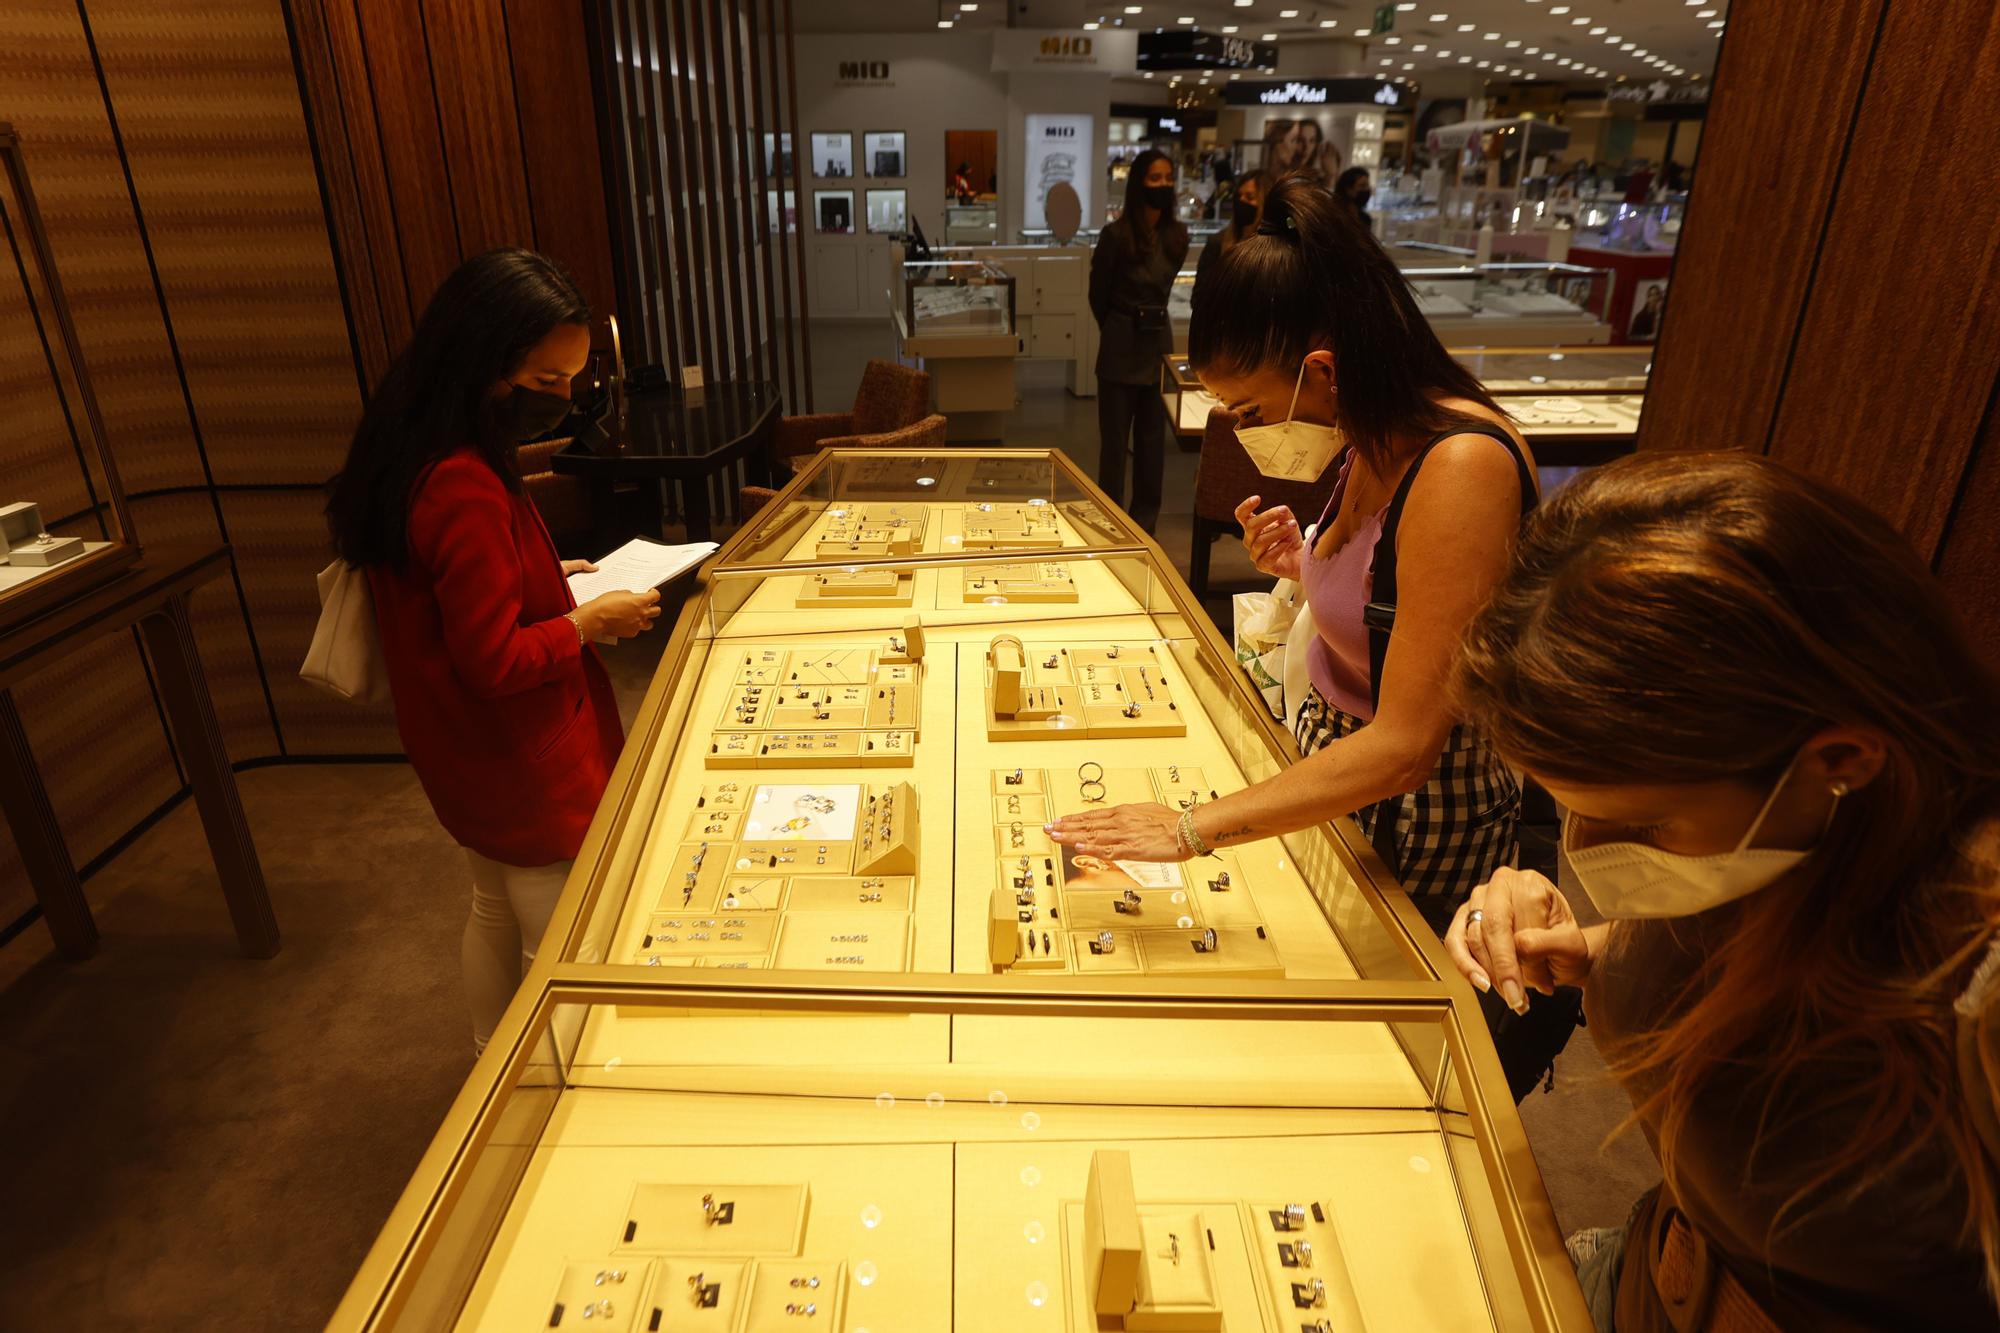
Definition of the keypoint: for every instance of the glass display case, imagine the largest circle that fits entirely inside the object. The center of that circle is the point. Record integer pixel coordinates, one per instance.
(788, 220)
(1507, 301)
(972, 224)
(1574, 404)
(1017, 1160)
(826, 1029)
(833, 212)
(833, 155)
(883, 152)
(888, 212)
(64, 523)
(953, 298)
(1187, 403)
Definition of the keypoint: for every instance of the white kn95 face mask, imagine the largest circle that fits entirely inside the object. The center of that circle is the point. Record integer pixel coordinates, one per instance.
(1630, 879)
(1293, 450)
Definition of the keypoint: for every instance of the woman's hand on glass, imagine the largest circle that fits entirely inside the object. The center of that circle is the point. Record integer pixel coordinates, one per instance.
(619, 614)
(1123, 833)
(570, 567)
(1272, 538)
(1524, 936)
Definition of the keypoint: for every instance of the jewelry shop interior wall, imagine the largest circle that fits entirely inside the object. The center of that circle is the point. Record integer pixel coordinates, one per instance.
(168, 150)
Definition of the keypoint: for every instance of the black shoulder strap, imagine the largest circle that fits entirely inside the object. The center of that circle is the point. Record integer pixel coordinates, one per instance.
(1380, 613)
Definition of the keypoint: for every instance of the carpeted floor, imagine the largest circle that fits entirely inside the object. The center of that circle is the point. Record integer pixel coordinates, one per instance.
(193, 1140)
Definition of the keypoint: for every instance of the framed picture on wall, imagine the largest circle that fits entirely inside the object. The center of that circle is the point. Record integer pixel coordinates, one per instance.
(883, 152)
(833, 212)
(888, 211)
(833, 155)
(777, 155)
(1649, 302)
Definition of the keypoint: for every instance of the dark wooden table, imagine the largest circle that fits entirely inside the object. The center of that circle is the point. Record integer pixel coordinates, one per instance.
(153, 594)
(670, 437)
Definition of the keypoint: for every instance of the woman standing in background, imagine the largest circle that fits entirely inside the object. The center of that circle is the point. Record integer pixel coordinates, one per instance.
(1246, 205)
(1131, 276)
(503, 708)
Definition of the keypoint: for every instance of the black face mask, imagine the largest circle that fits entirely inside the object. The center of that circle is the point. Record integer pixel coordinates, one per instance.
(1361, 198)
(1160, 197)
(526, 413)
(1245, 215)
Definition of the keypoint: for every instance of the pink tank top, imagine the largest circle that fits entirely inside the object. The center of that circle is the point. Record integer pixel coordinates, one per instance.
(1337, 590)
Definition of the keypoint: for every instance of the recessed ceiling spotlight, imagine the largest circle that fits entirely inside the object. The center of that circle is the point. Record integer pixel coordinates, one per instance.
(1229, 27)
(1511, 45)
(1628, 46)
(1440, 18)
(1419, 46)
(1392, 41)
(1135, 9)
(1531, 50)
(1560, 9)
(1443, 54)
(1184, 19)
(1234, 77)
(1385, 61)
(1465, 60)
(1243, 4)
(944, 23)
(969, 7)
(1288, 13)
(1267, 37)
(1486, 64)
(1599, 30)
(1409, 64)
(1490, 36)
(1090, 27)
(1467, 27)
(1329, 23)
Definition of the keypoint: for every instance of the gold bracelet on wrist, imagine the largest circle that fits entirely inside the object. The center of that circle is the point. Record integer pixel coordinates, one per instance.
(1190, 837)
(581, 637)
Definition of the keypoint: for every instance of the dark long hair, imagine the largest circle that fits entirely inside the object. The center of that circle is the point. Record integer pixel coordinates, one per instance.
(1312, 278)
(1682, 618)
(1132, 218)
(437, 395)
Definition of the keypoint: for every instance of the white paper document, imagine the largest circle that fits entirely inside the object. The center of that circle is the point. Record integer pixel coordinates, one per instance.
(637, 566)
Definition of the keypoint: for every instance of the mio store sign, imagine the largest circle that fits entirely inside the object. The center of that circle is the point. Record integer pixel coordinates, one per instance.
(871, 73)
(1065, 52)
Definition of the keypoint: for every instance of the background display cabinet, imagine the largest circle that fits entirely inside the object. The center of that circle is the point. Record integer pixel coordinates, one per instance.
(940, 298)
(827, 1029)
(1576, 405)
(888, 211)
(833, 212)
(884, 154)
(833, 155)
(1510, 302)
(64, 525)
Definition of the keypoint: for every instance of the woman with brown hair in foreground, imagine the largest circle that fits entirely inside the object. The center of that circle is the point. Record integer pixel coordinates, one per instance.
(1781, 765)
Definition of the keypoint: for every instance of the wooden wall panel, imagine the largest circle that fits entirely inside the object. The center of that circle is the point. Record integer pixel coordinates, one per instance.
(353, 181)
(473, 82)
(1745, 255)
(48, 85)
(559, 144)
(216, 142)
(1966, 561)
(280, 540)
(397, 60)
(1902, 315)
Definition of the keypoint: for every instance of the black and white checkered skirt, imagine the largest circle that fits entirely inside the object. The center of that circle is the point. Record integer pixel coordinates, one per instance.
(1453, 832)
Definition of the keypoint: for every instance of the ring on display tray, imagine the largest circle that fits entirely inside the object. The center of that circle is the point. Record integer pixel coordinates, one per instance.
(1098, 776)
(1084, 791)
(819, 805)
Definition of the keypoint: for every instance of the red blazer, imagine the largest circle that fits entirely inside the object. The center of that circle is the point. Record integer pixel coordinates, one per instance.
(508, 720)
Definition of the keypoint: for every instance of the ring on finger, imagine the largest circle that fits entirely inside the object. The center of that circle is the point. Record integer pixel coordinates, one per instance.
(1475, 918)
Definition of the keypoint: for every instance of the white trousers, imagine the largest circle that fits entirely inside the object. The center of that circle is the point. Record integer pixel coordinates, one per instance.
(511, 907)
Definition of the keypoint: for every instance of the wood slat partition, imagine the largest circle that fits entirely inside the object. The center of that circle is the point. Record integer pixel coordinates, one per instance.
(1822, 310)
(687, 83)
(445, 128)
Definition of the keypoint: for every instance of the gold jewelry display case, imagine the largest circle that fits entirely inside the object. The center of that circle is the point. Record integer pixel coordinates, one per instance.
(829, 1034)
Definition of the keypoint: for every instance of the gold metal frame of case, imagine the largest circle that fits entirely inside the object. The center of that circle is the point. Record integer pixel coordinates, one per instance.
(1430, 1014)
(1486, 1137)
(95, 567)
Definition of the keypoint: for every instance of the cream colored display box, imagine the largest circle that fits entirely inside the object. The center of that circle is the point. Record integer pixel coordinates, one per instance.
(960, 1211)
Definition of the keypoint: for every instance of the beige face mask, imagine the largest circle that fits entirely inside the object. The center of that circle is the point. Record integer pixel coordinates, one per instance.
(1630, 879)
(1292, 450)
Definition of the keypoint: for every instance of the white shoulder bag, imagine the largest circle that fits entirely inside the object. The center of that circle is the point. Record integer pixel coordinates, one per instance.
(1271, 641)
(346, 654)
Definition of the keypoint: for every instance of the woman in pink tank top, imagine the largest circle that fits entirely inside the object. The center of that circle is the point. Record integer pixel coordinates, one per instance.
(1309, 332)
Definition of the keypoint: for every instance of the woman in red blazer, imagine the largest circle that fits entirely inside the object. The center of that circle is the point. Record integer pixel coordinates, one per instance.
(501, 702)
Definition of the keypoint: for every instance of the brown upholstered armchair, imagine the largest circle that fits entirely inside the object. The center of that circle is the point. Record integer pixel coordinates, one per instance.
(1226, 477)
(926, 434)
(891, 411)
